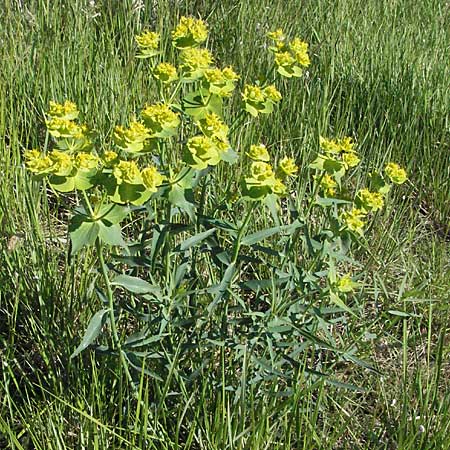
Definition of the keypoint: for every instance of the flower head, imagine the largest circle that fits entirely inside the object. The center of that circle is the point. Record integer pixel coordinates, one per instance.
(65, 128)
(131, 139)
(128, 172)
(62, 163)
(68, 110)
(110, 158)
(328, 185)
(148, 43)
(201, 152)
(272, 93)
(258, 100)
(276, 35)
(287, 168)
(189, 32)
(213, 127)
(300, 52)
(37, 163)
(165, 72)
(151, 178)
(160, 120)
(370, 201)
(195, 61)
(86, 161)
(253, 94)
(345, 284)
(395, 173)
(354, 219)
(259, 153)
(350, 160)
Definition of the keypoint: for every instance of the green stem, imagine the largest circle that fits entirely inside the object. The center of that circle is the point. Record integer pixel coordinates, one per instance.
(237, 242)
(88, 204)
(116, 341)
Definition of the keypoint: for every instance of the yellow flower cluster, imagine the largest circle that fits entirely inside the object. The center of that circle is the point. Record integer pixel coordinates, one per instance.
(65, 128)
(151, 178)
(220, 82)
(160, 120)
(263, 180)
(68, 110)
(260, 100)
(37, 163)
(189, 32)
(165, 72)
(345, 284)
(148, 43)
(339, 155)
(68, 134)
(86, 161)
(328, 184)
(395, 173)
(194, 62)
(128, 172)
(131, 139)
(212, 126)
(66, 172)
(259, 153)
(286, 168)
(355, 219)
(290, 57)
(201, 152)
(110, 158)
(370, 201)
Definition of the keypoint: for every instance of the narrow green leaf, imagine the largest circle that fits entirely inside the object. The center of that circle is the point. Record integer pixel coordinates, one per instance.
(92, 331)
(135, 284)
(194, 240)
(263, 234)
(223, 287)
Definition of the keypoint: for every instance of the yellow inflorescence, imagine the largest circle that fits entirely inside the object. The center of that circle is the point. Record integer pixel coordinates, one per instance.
(196, 58)
(110, 158)
(148, 40)
(203, 152)
(160, 117)
(151, 178)
(230, 74)
(62, 163)
(65, 128)
(37, 163)
(290, 57)
(354, 219)
(189, 32)
(287, 168)
(276, 35)
(395, 173)
(68, 110)
(212, 126)
(86, 161)
(370, 201)
(300, 50)
(253, 94)
(128, 172)
(345, 284)
(272, 93)
(165, 72)
(259, 153)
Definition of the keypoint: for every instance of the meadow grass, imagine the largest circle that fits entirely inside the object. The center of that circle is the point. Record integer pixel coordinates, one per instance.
(378, 73)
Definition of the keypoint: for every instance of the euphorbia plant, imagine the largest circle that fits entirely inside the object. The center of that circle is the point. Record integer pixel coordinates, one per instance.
(191, 273)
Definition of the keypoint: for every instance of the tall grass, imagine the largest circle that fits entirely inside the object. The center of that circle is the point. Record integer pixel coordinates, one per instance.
(378, 72)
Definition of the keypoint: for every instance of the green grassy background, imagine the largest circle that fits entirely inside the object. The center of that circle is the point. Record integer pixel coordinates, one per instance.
(379, 72)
